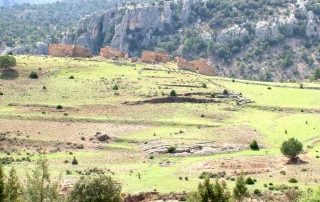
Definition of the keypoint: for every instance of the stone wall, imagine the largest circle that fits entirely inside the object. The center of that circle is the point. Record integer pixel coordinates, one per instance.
(58, 50)
(108, 52)
(199, 66)
(154, 57)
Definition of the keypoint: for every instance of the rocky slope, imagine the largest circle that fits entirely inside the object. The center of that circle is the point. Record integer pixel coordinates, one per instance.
(258, 40)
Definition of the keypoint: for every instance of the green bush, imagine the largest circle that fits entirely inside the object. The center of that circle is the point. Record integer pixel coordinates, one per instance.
(291, 148)
(293, 180)
(173, 93)
(204, 174)
(213, 95)
(257, 192)
(74, 161)
(33, 75)
(282, 172)
(254, 145)
(96, 188)
(1, 93)
(249, 181)
(115, 87)
(225, 92)
(204, 85)
(172, 149)
(59, 107)
(71, 77)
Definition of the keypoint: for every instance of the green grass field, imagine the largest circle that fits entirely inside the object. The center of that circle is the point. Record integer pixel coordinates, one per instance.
(29, 117)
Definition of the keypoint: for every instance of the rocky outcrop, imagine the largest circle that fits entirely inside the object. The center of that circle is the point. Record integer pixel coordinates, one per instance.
(39, 48)
(185, 12)
(266, 30)
(227, 35)
(312, 26)
(288, 23)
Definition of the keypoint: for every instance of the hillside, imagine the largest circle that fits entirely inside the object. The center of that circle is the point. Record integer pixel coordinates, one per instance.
(24, 25)
(256, 40)
(212, 136)
(17, 2)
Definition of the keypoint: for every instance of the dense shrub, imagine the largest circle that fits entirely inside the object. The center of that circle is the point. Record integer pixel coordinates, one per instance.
(173, 93)
(293, 180)
(171, 149)
(74, 161)
(59, 107)
(254, 145)
(225, 92)
(7, 61)
(71, 77)
(257, 192)
(249, 181)
(96, 188)
(33, 75)
(291, 148)
(204, 85)
(115, 87)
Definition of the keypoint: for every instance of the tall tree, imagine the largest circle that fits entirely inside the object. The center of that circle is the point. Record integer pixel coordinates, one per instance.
(2, 196)
(209, 192)
(12, 186)
(7, 61)
(240, 191)
(39, 187)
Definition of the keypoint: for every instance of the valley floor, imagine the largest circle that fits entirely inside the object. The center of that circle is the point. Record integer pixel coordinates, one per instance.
(212, 137)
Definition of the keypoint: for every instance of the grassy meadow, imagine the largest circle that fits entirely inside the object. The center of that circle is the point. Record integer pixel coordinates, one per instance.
(31, 122)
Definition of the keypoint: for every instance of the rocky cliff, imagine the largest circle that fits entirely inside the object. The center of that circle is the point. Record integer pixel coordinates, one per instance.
(249, 40)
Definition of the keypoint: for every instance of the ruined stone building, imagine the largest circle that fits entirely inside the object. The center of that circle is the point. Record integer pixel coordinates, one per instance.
(108, 52)
(199, 66)
(58, 50)
(154, 57)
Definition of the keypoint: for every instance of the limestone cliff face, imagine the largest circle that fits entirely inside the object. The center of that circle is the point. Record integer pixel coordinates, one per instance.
(266, 30)
(312, 25)
(227, 35)
(92, 30)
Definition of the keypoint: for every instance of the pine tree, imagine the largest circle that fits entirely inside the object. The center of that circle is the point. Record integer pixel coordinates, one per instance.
(240, 191)
(12, 186)
(2, 196)
(39, 187)
(209, 192)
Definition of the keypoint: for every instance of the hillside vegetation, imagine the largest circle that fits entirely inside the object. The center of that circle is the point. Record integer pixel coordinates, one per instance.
(74, 109)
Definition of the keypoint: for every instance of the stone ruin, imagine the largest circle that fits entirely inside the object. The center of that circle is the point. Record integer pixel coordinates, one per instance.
(58, 50)
(154, 57)
(199, 66)
(108, 52)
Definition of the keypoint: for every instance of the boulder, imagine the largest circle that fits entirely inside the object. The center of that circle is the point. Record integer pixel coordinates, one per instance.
(103, 137)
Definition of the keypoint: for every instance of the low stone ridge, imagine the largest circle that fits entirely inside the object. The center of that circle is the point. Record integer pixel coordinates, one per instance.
(219, 97)
(200, 149)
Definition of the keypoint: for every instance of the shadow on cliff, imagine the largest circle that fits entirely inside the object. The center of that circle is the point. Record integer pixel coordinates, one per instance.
(9, 74)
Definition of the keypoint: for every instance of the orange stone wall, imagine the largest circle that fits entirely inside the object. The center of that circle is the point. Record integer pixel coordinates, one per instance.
(58, 50)
(200, 66)
(154, 57)
(108, 52)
